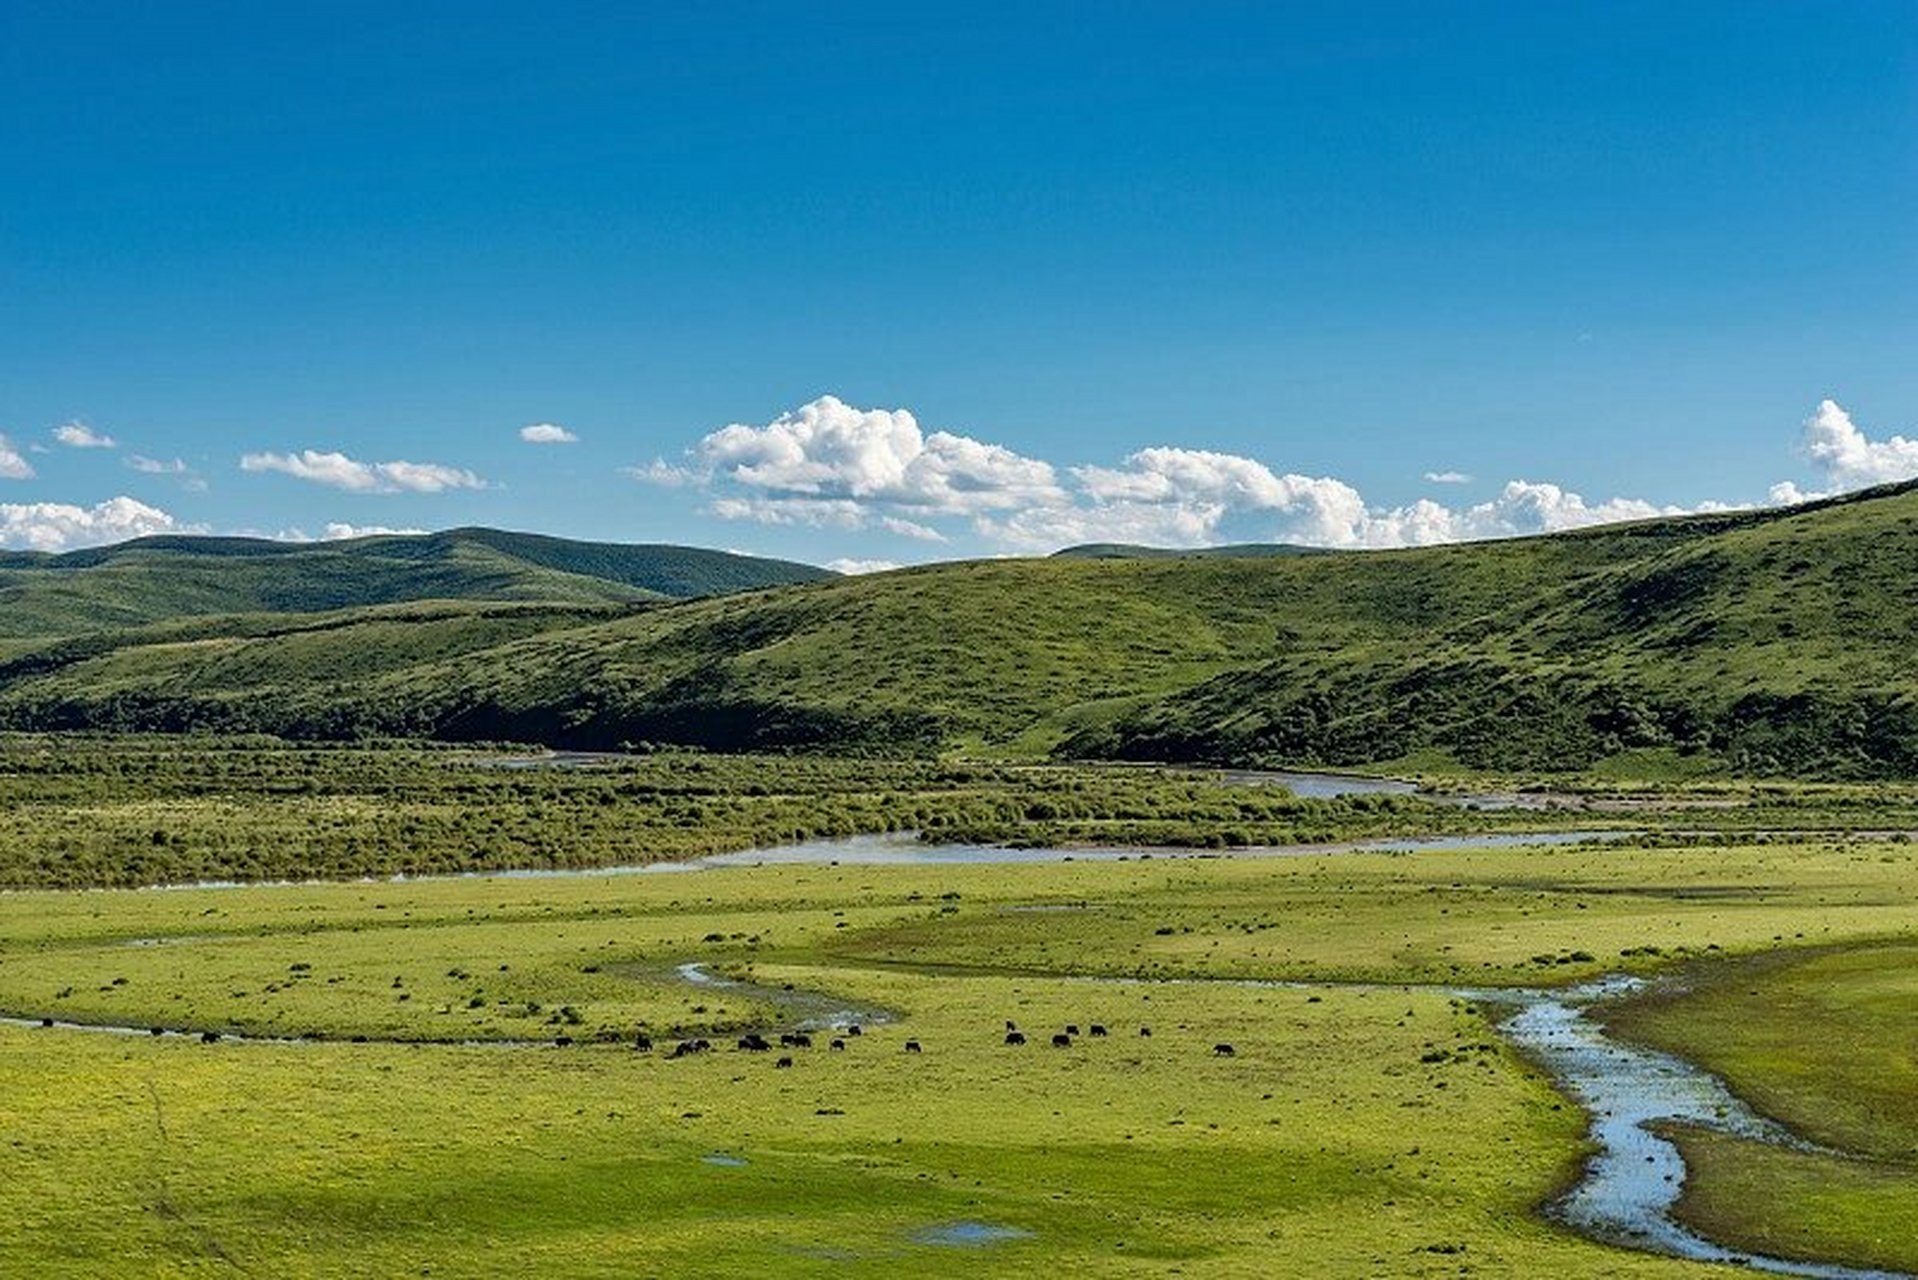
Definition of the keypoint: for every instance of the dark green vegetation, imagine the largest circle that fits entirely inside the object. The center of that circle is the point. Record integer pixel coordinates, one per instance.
(78, 811)
(152, 579)
(1822, 1040)
(1770, 642)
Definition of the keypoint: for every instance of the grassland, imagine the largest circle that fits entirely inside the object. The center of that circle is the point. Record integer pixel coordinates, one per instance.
(401, 1096)
(1761, 643)
(1376, 1128)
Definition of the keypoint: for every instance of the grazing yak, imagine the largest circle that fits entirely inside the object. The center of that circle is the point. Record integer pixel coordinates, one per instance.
(642, 1043)
(783, 1062)
(1015, 1037)
(1062, 1041)
(912, 1046)
(839, 1045)
(1223, 1050)
(1096, 1030)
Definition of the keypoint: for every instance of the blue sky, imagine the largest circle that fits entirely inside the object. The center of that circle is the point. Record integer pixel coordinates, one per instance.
(890, 283)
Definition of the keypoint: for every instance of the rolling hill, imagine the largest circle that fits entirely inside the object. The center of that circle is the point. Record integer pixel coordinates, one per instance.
(1777, 641)
(158, 578)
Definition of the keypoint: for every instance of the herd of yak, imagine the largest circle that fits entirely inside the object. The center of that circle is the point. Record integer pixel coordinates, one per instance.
(753, 1042)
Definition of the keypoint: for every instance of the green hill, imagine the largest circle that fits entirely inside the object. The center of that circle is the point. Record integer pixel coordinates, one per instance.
(151, 579)
(1768, 641)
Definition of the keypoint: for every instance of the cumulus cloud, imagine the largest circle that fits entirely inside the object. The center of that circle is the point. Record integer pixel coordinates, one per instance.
(1182, 497)
(851, 567)
(830, 465)
(848, 464)
(1847, 457)
(547, 433)
(339, 531)
(78, 435)
(341, 472)
(12, 465)
(59, 526)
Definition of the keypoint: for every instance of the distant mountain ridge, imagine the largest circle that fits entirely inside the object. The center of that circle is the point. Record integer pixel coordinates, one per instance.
(171, 576)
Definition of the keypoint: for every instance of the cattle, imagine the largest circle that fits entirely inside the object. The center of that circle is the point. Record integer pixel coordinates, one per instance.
(1145, 1031)
(687, 1048)
(1015, 1037)
(801, 1040)
(1062, 1041)
(206, 1037)
(783, 1063)
(156, 1031)
(912, 1046)
(1223, 1050)
(854, 1030)
(1072, 1028)
(642, 1043)
(1011, 1025)
(839, 1045)
(1097, 1030)
(561, 1042)
(754, 1043)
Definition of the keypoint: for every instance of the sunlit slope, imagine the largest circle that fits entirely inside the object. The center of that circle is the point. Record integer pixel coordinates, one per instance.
(1775, 641)
(152, 579)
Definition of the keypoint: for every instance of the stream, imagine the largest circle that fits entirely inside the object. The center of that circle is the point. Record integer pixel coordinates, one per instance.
(1632, 1183)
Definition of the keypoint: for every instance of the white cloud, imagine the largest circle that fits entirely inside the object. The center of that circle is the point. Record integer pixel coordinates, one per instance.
(662, 473)
(1848, 457)
(338, 531)
(910, 529)
(342, 472)
(1182, 497)
(59, 526)
(12, 465)
(830, 452)
(78, 435)
(547, 433)
(156, 466)
(830, 465)
(851, 567)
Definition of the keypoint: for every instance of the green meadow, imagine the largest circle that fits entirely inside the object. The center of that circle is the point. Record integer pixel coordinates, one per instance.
(446, 1081)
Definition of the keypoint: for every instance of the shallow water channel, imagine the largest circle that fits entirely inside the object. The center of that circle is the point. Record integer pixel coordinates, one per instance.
(1633, 1181)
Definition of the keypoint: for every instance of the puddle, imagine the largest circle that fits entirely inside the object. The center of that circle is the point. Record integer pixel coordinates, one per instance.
(968, 1235)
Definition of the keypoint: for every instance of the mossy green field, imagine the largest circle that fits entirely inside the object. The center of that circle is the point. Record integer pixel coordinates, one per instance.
(1368, 1123)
